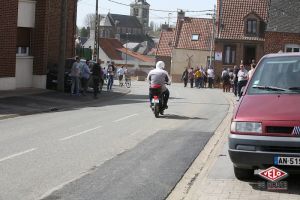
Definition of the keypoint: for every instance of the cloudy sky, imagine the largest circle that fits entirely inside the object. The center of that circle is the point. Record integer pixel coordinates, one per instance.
(88, 6)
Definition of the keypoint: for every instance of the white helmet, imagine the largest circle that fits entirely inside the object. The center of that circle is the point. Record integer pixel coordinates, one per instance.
(160, 65)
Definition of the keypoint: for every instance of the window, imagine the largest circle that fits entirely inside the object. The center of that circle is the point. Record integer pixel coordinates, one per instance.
(292, 48)
(23, 41)
(195, 37)
(229, 57)
(136, 12)
(252, 26)
(145, 13)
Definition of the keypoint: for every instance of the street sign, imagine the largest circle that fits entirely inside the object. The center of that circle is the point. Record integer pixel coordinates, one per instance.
(273, 174)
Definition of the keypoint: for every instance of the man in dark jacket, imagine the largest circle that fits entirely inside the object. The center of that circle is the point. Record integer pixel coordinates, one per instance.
(185, 77)
(96, 75)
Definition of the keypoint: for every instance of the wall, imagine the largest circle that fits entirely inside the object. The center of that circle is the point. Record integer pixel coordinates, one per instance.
(8, 39)
(54, 30)
(26, 13)
(24, 71)
(219, 47)
(167, 60)
(276, 42)
(180, 61)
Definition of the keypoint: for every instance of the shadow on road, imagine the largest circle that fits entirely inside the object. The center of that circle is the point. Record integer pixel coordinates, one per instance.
(179, 117)
(58, 102)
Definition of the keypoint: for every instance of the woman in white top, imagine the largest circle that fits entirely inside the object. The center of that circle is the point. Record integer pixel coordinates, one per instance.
(242, 79)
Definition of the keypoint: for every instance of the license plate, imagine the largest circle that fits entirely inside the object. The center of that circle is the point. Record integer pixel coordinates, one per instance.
(291, 161)
(155, 100)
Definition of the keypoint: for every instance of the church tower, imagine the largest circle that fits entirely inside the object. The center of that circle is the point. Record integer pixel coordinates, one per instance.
(140, 9)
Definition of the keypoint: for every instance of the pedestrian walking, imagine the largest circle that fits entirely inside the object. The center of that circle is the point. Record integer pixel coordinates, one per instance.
(110, 74)
(191, 77)
(85, 76)
(96, 75)
(121, 73)
(75, 75)
(242, 79)
(185, 77)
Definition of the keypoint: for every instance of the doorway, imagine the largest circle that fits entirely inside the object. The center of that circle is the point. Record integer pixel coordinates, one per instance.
(249, 54)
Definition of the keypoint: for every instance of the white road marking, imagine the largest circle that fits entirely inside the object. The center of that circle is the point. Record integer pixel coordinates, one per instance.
(134, 133)
(78, 134)
(17, 154)
(118, 120)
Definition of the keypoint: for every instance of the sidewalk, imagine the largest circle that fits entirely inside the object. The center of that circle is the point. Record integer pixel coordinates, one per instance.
(32, 101)
(211, 176)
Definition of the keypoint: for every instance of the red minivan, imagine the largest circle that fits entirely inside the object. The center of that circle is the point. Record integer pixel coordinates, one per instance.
(265, 129)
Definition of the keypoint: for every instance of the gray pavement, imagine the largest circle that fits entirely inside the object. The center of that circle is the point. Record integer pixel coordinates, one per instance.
(48, 153)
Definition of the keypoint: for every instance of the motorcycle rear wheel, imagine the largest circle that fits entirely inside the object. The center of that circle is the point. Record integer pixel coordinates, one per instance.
(156, 110)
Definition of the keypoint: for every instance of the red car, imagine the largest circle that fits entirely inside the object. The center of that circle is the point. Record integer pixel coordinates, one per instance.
(265, 129)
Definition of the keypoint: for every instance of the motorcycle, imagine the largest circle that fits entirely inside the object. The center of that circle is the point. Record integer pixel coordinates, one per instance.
(157, 100)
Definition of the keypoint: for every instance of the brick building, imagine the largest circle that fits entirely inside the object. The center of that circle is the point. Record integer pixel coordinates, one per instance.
(283, 30)
(240, 35)
(30, 37)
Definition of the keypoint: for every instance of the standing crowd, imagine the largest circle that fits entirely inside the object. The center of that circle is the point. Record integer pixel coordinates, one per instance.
(200, 77)
(236, 78)
(82, 73)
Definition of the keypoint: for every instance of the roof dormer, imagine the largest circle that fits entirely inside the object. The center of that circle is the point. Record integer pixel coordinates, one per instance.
(253, 25)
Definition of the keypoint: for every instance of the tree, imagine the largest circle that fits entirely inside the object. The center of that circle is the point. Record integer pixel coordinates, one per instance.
(89, 21)
(84, 32)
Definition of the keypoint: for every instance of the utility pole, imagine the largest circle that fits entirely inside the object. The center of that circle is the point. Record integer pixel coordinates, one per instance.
(62, 49)
(212, 37)
(96, 44)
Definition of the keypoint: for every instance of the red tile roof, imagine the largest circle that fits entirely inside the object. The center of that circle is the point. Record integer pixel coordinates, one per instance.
(165, 43)
(136, 55)
(233, 13)
(109, 46)
(113, 48)
(181, 38)
(197, 26)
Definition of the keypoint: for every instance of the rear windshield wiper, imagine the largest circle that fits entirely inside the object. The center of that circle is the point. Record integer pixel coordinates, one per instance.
(269, 88)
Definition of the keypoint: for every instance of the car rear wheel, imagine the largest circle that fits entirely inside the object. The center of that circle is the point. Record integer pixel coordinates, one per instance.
(243, 174)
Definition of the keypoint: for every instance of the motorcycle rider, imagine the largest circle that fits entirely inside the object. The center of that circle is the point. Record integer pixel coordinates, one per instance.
(159, 76)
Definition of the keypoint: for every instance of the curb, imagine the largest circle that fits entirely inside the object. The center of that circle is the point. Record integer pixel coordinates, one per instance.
(183, 187)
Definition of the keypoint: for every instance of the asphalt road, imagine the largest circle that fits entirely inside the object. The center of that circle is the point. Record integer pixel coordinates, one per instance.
(114, 150)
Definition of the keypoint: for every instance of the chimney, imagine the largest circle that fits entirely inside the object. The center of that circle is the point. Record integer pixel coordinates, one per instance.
(180, 15)
(164, 27)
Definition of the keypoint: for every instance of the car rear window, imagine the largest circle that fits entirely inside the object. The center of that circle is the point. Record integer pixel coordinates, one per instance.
(276, 75)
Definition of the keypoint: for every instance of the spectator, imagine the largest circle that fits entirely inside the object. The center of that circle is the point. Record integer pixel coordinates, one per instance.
(111, 74)
(185, 76)
(211, 76)
(85, 76)
(96, 74)
(242, 79)
(75, 75)
(191, 77)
